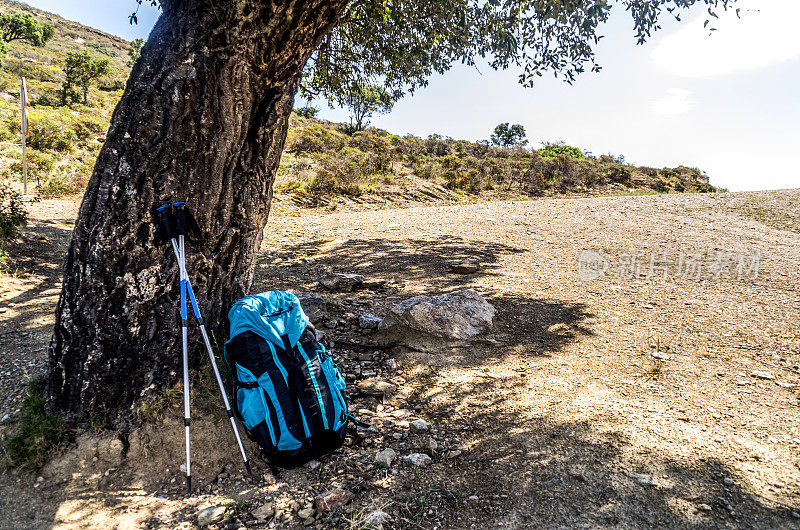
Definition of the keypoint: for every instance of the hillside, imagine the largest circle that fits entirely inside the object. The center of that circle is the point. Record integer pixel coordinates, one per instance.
(321, 165)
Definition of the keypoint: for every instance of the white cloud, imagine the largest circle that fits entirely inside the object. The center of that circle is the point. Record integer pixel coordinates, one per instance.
(765, 34)
(676, 101)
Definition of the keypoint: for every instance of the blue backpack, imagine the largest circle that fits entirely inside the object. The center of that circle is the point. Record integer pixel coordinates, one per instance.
(286, 390)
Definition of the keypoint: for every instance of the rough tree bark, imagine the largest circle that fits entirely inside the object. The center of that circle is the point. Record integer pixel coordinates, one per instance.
(203, 119)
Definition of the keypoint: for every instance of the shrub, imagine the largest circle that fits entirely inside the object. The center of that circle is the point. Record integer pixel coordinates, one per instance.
(112, 85)
(21, 68)
(566, 172)
(308, 111)
(555, 150)
(55, 186)
(87, 126)
(12, 213)
(428, 170)
(618, 173)
(40, 165)
(38, 434)
(348, 128)
(51, 131)
(102, 49)
(660, 185)
(316, 139)
(468, 180)
(436, 145)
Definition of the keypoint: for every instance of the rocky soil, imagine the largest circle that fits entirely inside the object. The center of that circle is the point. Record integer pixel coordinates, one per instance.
(642, 370)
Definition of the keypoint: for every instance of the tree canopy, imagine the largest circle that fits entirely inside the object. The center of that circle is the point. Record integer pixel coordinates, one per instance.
(23, 26)
(365, 101)
(506, 135)
(134, 52)
(399, 44)
(80, 69)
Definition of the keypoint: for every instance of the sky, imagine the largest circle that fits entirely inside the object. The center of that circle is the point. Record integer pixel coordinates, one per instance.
(725, 103)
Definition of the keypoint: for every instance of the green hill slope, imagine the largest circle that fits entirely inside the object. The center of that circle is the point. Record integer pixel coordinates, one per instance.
(321, 163)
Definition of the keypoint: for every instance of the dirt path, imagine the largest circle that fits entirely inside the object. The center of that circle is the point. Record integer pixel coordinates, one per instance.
(658, 394)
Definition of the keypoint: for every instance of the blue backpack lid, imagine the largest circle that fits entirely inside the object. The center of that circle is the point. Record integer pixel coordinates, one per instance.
(269, 315)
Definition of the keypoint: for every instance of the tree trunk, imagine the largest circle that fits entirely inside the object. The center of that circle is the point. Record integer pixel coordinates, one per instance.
(203, 120)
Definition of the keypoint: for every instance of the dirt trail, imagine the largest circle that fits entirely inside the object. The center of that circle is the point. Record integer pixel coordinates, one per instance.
(658, 394)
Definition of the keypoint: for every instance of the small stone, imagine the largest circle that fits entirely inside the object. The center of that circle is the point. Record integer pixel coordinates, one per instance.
(210, 515)
(704, 507)
(400, 413)
(308, 522)
(417, 459)
(7, 417)
(313, 305)
(311, 464)
(433, 445)
(377, 387)
(760, 374)
(390, 364)
(474, 498)
(305, 513)
(454, 454)
(377, 518)
(465, 267)
(796, 515)
(727, 481)
(341, 282)
(368, 321)
(644, 480)
(397, 435)
(386, 457)
(419, 425)
(333, 499)
(558, 328)
(263, 512)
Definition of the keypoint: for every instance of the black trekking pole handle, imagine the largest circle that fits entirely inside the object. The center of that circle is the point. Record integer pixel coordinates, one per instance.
(166, 223)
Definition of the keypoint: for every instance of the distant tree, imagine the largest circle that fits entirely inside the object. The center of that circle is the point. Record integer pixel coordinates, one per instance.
(134, 52)
(23, 26)
(80, 70)
(307, 111)
(365, 101)
(507, 136)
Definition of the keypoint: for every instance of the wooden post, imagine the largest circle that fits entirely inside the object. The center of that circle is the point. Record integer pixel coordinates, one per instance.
(23, 96)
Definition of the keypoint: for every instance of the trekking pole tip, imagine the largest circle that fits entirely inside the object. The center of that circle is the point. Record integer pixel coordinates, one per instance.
(249, 471)
(188, 485)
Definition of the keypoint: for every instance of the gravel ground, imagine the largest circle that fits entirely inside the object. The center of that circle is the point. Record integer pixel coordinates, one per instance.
(643, 370)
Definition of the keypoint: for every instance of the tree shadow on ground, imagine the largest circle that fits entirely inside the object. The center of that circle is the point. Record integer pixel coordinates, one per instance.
(536, 325)
(417, 260)
(532, 471)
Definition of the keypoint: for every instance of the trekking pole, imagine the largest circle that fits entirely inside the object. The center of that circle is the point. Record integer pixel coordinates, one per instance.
(168, 228)
(180, 253)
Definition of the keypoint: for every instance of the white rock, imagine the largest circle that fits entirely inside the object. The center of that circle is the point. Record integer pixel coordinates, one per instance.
(417, 459)
(210, 515)
(644, 480)
(341, 282)
(426, 323)
(419, 425)
(368, 321)
(762, 374)
(385, 457)
(263, 512)
(377, 518)
(376, 386)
